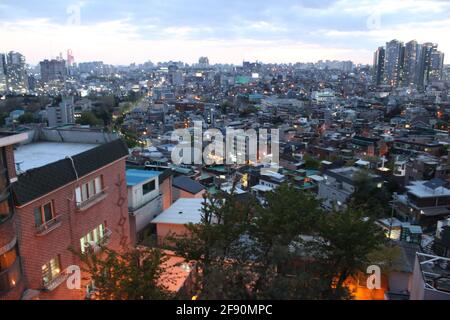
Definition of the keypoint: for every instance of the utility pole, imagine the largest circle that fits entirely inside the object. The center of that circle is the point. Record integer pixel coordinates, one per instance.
(394, 197)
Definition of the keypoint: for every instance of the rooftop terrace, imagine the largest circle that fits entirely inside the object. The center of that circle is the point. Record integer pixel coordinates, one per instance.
(39, 154)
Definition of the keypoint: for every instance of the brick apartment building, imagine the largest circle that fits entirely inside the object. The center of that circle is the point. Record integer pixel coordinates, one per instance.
(57, 195)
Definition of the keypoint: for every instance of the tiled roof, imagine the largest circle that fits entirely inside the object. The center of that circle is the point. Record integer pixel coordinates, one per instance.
(38, 182)
(187, 184)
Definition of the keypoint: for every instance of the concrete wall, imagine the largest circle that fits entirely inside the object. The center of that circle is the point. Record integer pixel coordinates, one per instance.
(181, 194)
(164, 230)
(400, 281)
(69, 135)
(145, 215)
(137, 199)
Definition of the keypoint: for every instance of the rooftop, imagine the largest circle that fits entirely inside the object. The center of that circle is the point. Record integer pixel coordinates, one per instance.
(421, 190)
(45, 179)
(188, 185)
(39, 154)
(183, 211)
(135, 176)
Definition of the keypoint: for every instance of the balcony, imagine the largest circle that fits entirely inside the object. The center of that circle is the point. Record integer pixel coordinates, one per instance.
(49, 226)
(56, 282)
(92, 201)
(10, 277)
(96, 247)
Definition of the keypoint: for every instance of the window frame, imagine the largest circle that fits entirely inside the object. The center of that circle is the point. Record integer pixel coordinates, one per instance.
(88, 190)
(153, 183)
(43, 220)
(49, 273)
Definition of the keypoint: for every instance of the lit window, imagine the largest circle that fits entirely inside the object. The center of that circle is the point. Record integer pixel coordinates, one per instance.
(51, 270)
(93, 237)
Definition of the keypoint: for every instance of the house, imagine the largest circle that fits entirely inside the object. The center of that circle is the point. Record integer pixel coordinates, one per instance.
(184, 187)
(339, 185)
(431, 278)
(174, 220)
(424, 203)
(58, 195)
(144, 200)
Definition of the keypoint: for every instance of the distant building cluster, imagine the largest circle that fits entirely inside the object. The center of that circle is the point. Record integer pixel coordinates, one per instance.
(410, 64)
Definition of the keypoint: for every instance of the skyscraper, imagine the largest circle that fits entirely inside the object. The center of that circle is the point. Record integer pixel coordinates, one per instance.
(203, 62)
(70, 58)
(378, 65)
(425, 62)
(3, 85)
(436, 66)
(410, 67)
(16, 73)
(393, 63)
(52, 70)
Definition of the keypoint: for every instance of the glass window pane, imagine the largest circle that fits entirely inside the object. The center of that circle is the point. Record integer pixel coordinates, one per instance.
(83, 244)
(78, 195)
(38, 216)
(98, 185)
(84, 192)
(101, 230)
(55, 268)
(96, 238)
(48, 214)
(91, 188)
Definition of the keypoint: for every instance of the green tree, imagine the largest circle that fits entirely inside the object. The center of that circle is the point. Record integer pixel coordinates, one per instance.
(311, 163)
(283, 248)
(369, 195)
(27, 117)
(343, 245)
(136, 274)
(88, 118)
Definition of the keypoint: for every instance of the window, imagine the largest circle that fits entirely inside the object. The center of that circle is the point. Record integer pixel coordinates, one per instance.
(93, 237)
(148, 187)
(7, 259)
(51, 270)
(10, 273)
(5, 210)
(89, 190)
(44, 214)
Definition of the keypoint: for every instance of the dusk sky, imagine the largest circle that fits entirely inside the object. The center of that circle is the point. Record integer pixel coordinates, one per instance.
(121, 32)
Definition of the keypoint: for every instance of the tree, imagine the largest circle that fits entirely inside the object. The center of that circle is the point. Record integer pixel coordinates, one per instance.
(369, 195)
(311, 163)
(27, 117)
(88, 119)
(258, 250)
(344, 242)
(136, 274)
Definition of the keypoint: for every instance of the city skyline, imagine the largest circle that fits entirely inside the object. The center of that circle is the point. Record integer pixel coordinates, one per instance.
(282, 32)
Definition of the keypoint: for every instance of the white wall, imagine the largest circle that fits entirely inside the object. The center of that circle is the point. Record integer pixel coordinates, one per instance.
(136, 198)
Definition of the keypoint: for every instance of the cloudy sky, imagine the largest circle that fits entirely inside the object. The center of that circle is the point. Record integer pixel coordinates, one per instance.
(228, 31)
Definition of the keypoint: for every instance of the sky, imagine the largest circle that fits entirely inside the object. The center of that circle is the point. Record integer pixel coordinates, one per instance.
(226, 31)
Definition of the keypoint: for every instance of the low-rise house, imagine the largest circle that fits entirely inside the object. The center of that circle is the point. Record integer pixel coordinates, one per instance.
(144, 200)
(424, 203)
(184, 187)
(339, 185)
(173, 221)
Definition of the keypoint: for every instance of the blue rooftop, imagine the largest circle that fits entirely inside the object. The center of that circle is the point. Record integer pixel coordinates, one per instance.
(135, 176)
